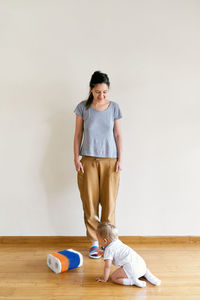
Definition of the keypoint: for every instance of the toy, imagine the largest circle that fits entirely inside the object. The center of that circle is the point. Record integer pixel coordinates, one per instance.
(64, 260)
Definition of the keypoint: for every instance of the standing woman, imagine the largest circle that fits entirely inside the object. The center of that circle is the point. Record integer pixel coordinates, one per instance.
(98, 140)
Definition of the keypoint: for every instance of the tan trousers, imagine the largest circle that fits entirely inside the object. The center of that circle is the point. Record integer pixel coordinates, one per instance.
(98, 185)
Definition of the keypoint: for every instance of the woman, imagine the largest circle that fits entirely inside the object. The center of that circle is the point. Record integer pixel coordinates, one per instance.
(98, 140)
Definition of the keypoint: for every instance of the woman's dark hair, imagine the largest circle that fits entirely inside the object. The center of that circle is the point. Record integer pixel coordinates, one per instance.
(97, 77)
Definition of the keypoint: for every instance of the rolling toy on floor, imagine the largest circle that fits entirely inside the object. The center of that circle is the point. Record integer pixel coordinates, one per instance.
(64, 260)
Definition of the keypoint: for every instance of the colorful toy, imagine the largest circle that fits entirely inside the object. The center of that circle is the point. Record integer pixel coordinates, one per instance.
(64, 260)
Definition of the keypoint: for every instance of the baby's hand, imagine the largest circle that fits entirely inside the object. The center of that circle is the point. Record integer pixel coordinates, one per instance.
(100, 279)
(100, 252)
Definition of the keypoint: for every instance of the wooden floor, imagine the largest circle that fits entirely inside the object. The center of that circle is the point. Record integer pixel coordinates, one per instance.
(25, 275)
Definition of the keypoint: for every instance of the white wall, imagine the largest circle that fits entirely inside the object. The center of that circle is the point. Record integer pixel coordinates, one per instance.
(151, 51)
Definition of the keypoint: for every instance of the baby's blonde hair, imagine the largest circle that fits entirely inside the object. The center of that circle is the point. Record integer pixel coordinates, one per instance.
(107, 231)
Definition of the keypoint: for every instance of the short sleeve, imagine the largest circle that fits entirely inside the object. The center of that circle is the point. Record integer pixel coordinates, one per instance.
(79, 109)
(117, 112)
(108, 254)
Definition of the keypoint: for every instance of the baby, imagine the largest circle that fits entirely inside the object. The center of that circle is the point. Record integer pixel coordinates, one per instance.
(132, 265)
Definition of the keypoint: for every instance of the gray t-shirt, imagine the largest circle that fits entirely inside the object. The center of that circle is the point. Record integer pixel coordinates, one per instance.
(98, 139)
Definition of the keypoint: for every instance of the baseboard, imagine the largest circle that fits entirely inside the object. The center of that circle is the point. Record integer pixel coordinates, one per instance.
(161, 239)
(42, 239)
(82, 239)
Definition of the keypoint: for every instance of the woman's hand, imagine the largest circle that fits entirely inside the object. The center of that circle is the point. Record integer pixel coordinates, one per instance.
(78, 165)
(118, 166)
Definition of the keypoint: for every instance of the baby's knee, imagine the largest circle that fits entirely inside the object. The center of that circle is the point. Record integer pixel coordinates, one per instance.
(112, 277)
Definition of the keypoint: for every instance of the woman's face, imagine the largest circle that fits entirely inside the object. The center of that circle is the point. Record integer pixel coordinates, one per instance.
(100, 92)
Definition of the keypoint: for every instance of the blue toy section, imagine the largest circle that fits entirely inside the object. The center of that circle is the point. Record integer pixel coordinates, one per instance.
(74, 259)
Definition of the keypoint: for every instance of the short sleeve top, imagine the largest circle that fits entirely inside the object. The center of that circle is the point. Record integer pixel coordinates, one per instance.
(98, 134)
(121, 254)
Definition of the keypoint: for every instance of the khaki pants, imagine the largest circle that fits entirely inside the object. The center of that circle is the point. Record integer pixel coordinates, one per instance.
(98, 185)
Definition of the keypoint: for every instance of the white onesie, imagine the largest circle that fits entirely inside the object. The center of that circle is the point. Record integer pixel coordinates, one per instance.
(124, 256)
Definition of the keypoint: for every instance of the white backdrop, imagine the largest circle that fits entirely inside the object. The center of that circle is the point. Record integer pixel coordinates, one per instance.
(151, 51)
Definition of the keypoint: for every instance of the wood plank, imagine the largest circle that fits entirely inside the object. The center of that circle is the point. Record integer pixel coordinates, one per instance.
(24, 274)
